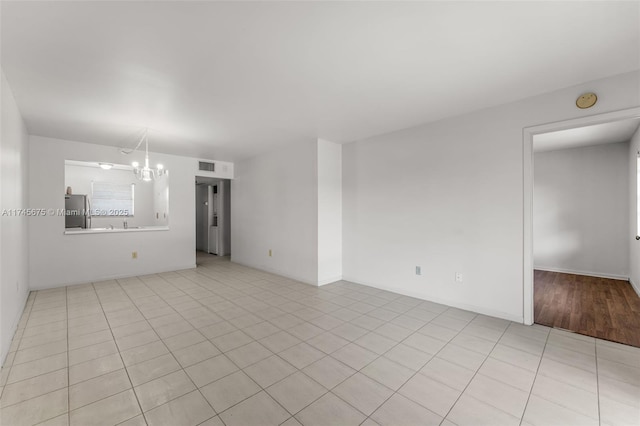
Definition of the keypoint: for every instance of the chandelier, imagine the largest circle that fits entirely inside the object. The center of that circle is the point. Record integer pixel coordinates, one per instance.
(145, 173)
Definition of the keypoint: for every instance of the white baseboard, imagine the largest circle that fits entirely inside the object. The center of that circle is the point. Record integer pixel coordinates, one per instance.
(451, 303)
(276, 272)
(584, 273)
(329, 280)
(635, 286)
(263, 268)
(115, 277)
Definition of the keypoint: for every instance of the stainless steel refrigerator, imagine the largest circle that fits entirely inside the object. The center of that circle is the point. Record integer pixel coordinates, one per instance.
(75, 211)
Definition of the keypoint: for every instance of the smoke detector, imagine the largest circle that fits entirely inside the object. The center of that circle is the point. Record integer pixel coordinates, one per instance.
(586, 100)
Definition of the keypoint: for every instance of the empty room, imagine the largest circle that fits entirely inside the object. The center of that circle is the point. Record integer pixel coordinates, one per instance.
(319, 213)
(583, 231)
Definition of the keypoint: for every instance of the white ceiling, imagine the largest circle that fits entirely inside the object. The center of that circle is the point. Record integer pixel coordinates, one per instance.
(229, 80)
(598, 134)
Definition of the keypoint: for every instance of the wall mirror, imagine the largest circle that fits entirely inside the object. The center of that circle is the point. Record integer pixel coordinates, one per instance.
(106, 197)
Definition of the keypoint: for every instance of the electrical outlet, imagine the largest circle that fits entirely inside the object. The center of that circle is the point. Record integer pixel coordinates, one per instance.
(418, 270)
(134, 254)
(270, 253)
(459, 277)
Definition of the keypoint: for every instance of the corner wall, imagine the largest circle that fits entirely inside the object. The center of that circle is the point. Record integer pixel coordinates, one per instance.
(448, 196)
(329, 212)
(14, 272)
(581, 210)
(274, 206)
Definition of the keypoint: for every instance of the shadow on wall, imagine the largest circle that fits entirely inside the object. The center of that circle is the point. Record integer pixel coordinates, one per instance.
(564, 246)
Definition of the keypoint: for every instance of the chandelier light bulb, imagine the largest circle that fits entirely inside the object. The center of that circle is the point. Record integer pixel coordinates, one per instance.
(145, 173)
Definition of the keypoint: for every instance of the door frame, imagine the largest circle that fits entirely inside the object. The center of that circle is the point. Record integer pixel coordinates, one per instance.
(527, 141)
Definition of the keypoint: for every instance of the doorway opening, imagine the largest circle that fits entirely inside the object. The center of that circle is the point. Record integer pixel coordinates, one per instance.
(581, 200)
(213, 219)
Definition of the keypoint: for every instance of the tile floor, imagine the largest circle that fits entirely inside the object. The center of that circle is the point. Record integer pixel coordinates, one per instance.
(229, 345)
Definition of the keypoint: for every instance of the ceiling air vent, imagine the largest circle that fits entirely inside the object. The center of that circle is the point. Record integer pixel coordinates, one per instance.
(207, 167)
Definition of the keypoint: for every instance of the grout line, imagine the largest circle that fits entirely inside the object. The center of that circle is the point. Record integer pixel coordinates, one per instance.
(382, 355)
(477, 372)
(170, 352)
(535, 377)
(303, 298)
(420, 368)
(40, 357)
(237, 366)
(93, 359)
(242, 369)
(39, 396)
(97, 400)
(47, 393)
(119, 353)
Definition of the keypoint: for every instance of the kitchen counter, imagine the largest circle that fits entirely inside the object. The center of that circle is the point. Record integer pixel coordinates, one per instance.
(79, 231)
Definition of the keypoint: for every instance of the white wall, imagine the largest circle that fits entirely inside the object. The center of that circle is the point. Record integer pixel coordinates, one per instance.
(581, 210)
(274, 205)
(329, 212)
(448, 196)
(634, 245)
(79, 178)
(57, 259)
(13, 229)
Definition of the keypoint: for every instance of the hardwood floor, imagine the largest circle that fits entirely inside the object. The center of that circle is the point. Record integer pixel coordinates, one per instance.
(598, 307)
